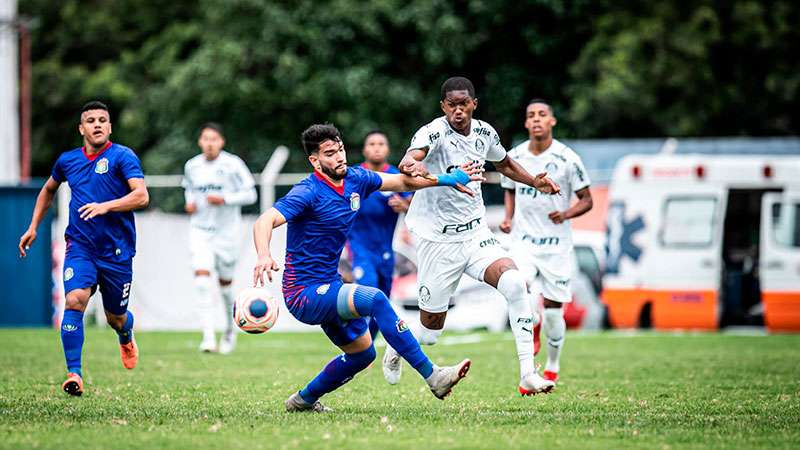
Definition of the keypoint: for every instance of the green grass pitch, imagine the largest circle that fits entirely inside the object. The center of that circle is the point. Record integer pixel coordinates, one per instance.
(655, 391)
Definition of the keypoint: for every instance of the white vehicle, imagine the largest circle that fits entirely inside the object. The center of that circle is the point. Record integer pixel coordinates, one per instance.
(704, 241)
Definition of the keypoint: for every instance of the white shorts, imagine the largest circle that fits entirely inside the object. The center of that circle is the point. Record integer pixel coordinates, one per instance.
(441, 265)
(549, 274)
(209, 252)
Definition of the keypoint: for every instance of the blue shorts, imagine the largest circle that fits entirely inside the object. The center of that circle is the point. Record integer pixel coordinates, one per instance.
(317, 305)
(373, 269)
(82, 269)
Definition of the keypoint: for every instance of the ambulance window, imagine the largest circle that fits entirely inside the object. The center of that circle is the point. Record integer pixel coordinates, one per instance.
(785, 224)
(688, 222)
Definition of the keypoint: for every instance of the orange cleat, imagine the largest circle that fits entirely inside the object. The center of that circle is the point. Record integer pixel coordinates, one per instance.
(129, 353)
(73, 385)
(552, 376)
(537, 343)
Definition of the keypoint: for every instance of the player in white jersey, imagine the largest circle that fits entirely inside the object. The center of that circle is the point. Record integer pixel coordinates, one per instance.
(451, 232)
(217, 184)
(539, 224)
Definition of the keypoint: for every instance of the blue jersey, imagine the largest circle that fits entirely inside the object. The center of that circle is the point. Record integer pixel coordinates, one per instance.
(375, 222)
(319, 216)
(97, 178)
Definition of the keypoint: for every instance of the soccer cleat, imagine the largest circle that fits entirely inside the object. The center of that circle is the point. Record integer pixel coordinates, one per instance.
(537, 343)
(295, 403)
(208, 345)
(443, 379)
(551, 376)
(392, 366)
(73, 385)
(533, 384)
(129, 353)
(227, 343)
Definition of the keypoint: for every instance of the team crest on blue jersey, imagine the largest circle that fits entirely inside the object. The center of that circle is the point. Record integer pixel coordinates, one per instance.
(401, 326)
(68, 273)
(355, 201)
(101, 166)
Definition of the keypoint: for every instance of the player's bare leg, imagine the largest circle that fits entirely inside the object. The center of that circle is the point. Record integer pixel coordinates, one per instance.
(205, 303)
(227, 343)
(504, 276)
(128, 350)
(72, 338)
(431, 327)
(555, 327)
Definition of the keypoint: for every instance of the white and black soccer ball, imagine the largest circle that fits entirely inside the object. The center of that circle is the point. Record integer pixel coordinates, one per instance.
(255, 310)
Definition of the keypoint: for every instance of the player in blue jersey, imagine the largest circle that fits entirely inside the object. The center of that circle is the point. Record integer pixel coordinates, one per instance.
(107, 184)
(370, 239)
(320, 211)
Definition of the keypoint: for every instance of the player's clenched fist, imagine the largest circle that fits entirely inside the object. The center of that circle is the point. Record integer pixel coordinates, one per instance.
(546, 185)
(414, 168)
(266, 265)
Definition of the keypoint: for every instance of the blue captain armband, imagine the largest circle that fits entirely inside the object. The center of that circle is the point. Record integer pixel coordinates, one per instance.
(456, 176)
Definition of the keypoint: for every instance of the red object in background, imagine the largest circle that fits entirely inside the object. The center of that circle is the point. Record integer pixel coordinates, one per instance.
(767, 171)
(573, 314)
(700, 171)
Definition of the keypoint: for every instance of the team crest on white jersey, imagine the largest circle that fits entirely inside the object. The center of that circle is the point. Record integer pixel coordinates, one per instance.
(68, 273)
(551, 167)
(101, 166)
(355, 201)
(479, 145)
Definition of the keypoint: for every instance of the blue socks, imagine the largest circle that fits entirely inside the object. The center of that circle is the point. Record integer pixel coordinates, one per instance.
(126, 333)
(339, 371)
(374, 303)
(72, 339)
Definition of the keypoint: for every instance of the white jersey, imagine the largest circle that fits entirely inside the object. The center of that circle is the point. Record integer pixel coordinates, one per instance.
(442, 214)
(226, 176)
(531, 223)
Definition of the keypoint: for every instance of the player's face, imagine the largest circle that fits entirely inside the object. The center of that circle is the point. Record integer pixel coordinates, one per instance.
(376, 149)
(539, 120)
(211, 143)
(458, 106)
(95, 127)
(331, 159)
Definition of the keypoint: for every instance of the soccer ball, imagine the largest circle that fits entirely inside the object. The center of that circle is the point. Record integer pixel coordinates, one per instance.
(255, 310)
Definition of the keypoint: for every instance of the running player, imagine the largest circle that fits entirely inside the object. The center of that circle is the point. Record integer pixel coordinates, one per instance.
(320, 211)
(540, 228)
(217, 184)
(107, 185)
(452, 236)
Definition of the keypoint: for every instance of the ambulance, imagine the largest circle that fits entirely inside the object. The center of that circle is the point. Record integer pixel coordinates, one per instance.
(704, 242)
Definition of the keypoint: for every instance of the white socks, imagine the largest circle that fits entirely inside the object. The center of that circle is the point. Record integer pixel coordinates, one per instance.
(555, 328)
(520, 316)
(205, 306)
(227, 300)
(426, 336)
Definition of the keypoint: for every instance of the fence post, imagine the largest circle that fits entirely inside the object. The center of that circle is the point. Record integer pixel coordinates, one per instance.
(270, 174)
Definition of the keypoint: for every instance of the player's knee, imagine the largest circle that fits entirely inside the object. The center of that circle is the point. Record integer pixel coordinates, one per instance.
(366, 299)
(363, 358)
(512, 285)
(428, 336)
(76, 301)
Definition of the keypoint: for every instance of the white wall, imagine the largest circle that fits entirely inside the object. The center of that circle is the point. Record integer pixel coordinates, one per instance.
(9, 100)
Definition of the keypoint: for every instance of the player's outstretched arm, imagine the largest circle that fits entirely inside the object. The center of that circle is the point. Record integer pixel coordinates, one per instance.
(137, 198)
(513, 170)
(458, 179)
(411, 164)
(581, 207)
(262, 235)
(43, 202)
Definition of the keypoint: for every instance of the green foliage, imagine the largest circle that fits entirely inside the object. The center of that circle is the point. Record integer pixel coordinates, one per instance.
(266, 70)
(701, 391)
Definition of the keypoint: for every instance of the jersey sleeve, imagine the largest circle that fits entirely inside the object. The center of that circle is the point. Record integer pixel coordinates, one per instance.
(130, 166)
(506, 183)
(244, 186)
(371, 182)
(186, 184)
(296, 202)
(496, 150)
(58, 171)
(578, 178)
(426, 137)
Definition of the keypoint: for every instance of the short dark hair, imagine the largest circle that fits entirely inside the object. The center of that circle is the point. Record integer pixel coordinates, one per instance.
(317, 134)
(376, 131)
(542, 101)
(457, 84)
(94, 104)
(212, 126)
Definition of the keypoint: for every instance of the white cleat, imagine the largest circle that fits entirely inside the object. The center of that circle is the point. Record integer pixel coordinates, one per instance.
(295, 403)
(392, 366)
(443, 379)
(209, 345)
(227, 343)
(533, 384)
